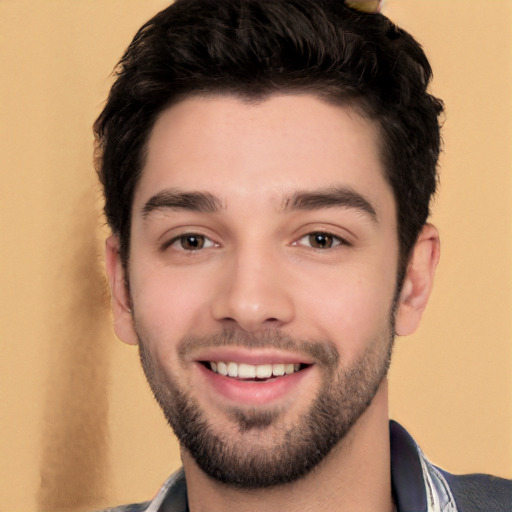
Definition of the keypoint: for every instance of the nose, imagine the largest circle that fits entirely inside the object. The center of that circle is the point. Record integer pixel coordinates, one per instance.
(253, 292)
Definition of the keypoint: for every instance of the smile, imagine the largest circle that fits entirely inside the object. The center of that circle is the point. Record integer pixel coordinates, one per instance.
(253, 383)
(252, 372)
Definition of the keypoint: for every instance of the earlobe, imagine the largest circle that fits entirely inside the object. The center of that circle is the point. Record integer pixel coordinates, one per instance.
(418, 282)
(121, 306)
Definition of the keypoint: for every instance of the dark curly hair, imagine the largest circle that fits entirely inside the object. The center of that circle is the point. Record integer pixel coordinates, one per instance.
(254, 48)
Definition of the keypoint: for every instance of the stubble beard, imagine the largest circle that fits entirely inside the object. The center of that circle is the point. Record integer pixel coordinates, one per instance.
(263, 455)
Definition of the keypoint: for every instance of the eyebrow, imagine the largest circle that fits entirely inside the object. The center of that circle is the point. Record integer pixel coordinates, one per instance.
(332, 197)
(204, 202)
(174, 199)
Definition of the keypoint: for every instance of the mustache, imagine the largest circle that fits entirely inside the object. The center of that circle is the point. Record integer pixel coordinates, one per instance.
(323, 352)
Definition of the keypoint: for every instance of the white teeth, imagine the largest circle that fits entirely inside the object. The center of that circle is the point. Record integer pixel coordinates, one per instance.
(278, 369)
(264, 371)
(232, 369)
(246, 371)
(250, 371)
(222, 368)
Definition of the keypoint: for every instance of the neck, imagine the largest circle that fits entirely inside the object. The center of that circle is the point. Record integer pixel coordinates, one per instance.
(355, 476)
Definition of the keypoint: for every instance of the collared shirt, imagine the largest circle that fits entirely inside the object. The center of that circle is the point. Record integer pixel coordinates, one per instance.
(417, 486)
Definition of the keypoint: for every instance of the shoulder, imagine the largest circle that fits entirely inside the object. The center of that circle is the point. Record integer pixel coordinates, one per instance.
(134, 507)
(480, 493)
(417, 482)
(172, 496)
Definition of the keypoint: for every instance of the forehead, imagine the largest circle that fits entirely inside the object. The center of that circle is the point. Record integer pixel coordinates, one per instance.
(234, 148)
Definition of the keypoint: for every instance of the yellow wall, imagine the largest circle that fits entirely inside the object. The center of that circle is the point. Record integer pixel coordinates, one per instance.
(78, 427)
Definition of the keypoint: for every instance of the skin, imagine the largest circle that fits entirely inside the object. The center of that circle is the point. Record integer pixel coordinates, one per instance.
(259, 271)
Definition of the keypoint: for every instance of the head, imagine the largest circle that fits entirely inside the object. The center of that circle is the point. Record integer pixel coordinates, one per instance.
(280, 272)
(253, 49)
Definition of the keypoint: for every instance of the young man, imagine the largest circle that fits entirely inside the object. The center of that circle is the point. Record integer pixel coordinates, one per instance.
(268, 167)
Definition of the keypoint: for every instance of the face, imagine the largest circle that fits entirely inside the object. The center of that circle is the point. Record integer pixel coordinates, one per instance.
(262, 280)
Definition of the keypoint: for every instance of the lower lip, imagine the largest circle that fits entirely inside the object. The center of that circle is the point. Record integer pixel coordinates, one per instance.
(245, 392)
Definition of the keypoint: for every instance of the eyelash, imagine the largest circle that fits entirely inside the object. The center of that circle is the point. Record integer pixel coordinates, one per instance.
(336, 241)
(183, 237)
(331, 240)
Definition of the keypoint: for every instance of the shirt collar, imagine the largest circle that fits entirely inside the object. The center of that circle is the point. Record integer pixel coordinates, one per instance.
(416, 485)
(407, 482)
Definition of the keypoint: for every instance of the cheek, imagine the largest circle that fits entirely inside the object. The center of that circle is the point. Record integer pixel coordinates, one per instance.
(168, 305)
(352, 310)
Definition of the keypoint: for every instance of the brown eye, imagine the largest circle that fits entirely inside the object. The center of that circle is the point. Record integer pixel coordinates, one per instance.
(191, 242)
(321, 240)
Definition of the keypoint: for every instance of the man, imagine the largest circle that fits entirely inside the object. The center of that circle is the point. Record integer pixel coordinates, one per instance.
(268, 168)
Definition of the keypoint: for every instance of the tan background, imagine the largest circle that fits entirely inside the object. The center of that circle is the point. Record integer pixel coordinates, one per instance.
(78, 427)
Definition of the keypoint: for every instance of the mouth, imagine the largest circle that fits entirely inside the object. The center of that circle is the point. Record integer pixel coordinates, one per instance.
(260, 382)
(250, 372)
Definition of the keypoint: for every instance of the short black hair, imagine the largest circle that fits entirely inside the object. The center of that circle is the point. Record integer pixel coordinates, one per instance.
(256, 48)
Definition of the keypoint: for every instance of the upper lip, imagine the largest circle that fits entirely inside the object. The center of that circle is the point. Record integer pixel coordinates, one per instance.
(251, 356)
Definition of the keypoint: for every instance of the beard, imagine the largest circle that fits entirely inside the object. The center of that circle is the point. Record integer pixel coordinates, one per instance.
(265, 452)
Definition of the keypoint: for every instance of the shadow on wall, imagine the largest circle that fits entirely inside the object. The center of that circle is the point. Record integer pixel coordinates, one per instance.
(74, 464)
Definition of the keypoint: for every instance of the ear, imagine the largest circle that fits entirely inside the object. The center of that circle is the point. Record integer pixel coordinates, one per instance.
(418, 282)
(121, 306)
